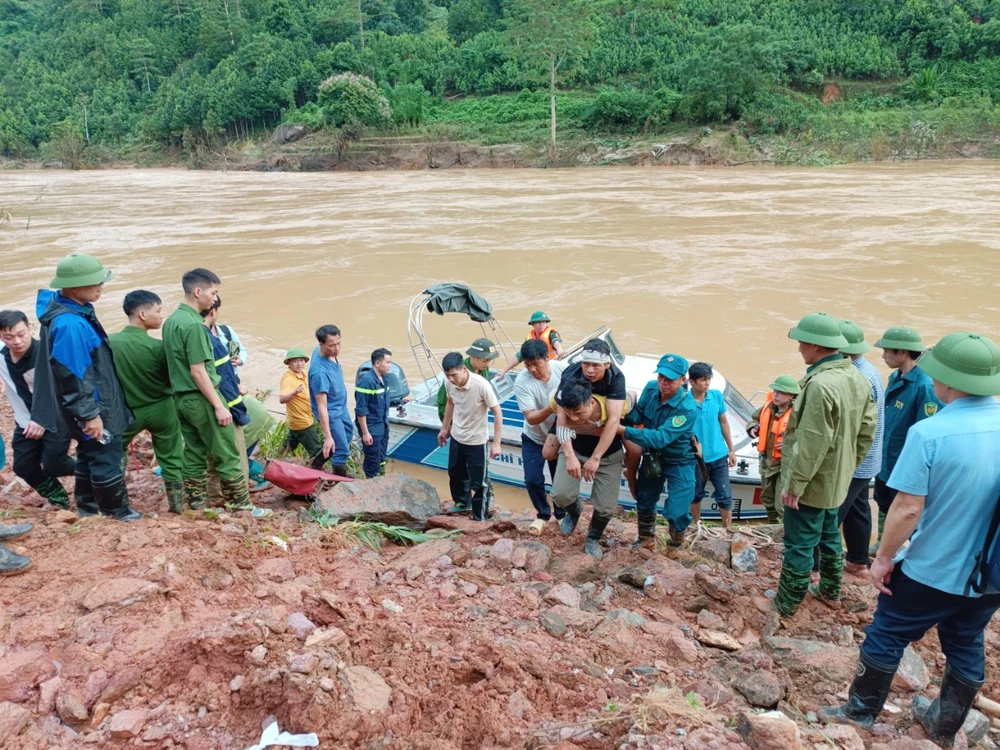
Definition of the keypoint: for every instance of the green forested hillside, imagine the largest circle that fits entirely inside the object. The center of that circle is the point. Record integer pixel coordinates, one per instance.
(195, 73)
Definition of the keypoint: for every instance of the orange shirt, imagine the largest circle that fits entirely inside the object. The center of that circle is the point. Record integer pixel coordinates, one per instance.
(298, 411)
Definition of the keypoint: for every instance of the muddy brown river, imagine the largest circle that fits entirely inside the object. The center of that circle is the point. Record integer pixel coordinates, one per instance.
(716, 264)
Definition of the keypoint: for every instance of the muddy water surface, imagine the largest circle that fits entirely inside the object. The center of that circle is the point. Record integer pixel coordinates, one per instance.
(716, 264)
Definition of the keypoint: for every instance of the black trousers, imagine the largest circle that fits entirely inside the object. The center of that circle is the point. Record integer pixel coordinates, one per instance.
(468, 462)
(884, 495)
(855, 518)
(101, 463)
(37, 460)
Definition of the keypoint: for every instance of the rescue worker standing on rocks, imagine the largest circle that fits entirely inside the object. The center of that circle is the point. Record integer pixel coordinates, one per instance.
(142, 370)
(667, 413)
(371, 410)
(768, 425)
(909, 398)
(76, 389)
(831, 429)
(947, 481)
(206, 423)
(329, 399)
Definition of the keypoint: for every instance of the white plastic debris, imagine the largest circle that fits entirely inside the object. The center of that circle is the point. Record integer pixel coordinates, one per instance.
(272, 736)
(390, 605)
(278, 542)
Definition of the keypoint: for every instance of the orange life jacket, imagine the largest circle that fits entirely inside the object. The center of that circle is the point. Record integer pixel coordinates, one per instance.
(774, 426)
(543, 336)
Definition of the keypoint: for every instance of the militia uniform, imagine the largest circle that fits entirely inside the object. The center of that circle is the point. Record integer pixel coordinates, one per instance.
(772, 422)
(186, 342)
(142, 370)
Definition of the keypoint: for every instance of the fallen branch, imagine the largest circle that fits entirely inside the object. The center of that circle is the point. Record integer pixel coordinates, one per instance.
(987, 706)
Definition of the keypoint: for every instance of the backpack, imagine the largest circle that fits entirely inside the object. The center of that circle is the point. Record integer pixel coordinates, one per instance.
(986, 568)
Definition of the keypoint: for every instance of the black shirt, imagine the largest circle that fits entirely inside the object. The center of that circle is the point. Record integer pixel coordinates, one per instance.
(612, 387)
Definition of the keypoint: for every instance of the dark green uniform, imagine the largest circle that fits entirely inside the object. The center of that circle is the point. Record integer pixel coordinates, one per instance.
(141, 366)
(186, 343)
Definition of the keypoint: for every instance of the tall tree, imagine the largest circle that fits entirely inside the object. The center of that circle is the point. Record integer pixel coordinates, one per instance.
(550, 35)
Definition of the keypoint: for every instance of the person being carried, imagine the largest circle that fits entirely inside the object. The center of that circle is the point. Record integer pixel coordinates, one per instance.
(40, 456)
(466, 422)
(767, 426)
(716, 440)
(371, 410)
(76, 388)
(328, 396)
(543, 332)
(141, 366)
(303, 429)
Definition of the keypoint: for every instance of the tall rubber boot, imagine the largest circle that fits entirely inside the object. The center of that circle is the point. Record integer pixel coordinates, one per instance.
(113, 501)
(196, 492)
(677, 537)
(568, 524)
(792, 587)
(83, 495)
(865, 697)
(53, 491)
(15, 531)
(944, 716)
(235, 493)
(174, 489)
(831, 574)
(12, 563)
(647, 531)
(592, 545)
(341, 470)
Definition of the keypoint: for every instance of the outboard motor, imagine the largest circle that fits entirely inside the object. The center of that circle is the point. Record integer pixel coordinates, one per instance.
(395, 381)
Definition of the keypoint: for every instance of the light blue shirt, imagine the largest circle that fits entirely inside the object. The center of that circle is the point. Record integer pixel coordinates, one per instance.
(954, 461)
(873, 461)
(326, 376)
(707, 428)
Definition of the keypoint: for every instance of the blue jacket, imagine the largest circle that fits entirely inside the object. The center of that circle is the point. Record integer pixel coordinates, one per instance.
(75, 377)
(229, 381)
(667, 427)
(371, 400)
(909, 398)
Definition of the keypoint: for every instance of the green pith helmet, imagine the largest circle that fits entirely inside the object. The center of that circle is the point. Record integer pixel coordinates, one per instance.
(296, 352)
(79, 270)
(539, 317)
(819, 329)
(484, 349)
(901, 337)
(856, 343)
(786, 384)
(966, 362)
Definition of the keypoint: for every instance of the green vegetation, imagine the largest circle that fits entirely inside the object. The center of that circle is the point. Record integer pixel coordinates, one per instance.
(85, 80)
(371, 533)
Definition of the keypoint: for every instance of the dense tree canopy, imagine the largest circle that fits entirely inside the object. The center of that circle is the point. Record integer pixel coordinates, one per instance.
(116, 72)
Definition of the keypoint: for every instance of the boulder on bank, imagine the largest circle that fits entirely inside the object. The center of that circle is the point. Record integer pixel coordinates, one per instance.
(398, 500)
(288, 133)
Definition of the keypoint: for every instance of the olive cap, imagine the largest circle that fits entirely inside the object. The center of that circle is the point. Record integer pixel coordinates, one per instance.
(296, 352)
(672, 366)
(819, 329)
(539, 317)
(856, 343)
(483, 348)
(966, 362)
(901, 337)
(79, 270)
(786, 384)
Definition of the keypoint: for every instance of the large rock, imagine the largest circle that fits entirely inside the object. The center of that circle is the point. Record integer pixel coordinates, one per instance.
(811, 659)
(761, 689)
(287, 133)
(423, 555)
(976, 726)
(119, 592)
(13, 720)
(717, 588)
(127, 724)
(367, 689)
(576, 569)
(843, 736)
(576, 618)
(276, 569)
(71, 706)
(563, 593)
(537, 556)
(717, 550)
(398, 500)
(768, 731)
(718, 640)
(21, 671)
(502, 553)
(743, 557)
(912, 675)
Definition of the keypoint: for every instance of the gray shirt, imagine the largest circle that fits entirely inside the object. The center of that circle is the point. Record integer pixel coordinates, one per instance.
(533, 394)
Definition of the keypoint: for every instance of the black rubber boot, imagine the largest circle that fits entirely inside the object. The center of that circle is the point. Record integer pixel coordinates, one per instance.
(568, 524)
(865, 697)
(15, 530)
(113, 501)
(647, 532)
(677, 537)
(592, 546)
(12, 563)
(944, 716)
(83, 495)
(341, 470)
(174, 489)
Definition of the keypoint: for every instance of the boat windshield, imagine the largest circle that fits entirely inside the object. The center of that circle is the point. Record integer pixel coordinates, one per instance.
(615, 351)
(738, 403)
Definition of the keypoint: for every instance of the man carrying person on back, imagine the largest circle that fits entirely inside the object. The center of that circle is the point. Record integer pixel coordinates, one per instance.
(466, 422)
(329, 399)
(831, 429)
(141, 366)
(371, 410)
(39, 455)
(533, 388)
(206, 423)
(76, 389)
(947, 480)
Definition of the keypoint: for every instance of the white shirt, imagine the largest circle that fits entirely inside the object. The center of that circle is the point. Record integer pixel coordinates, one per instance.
(469, 421)
(533, 394)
